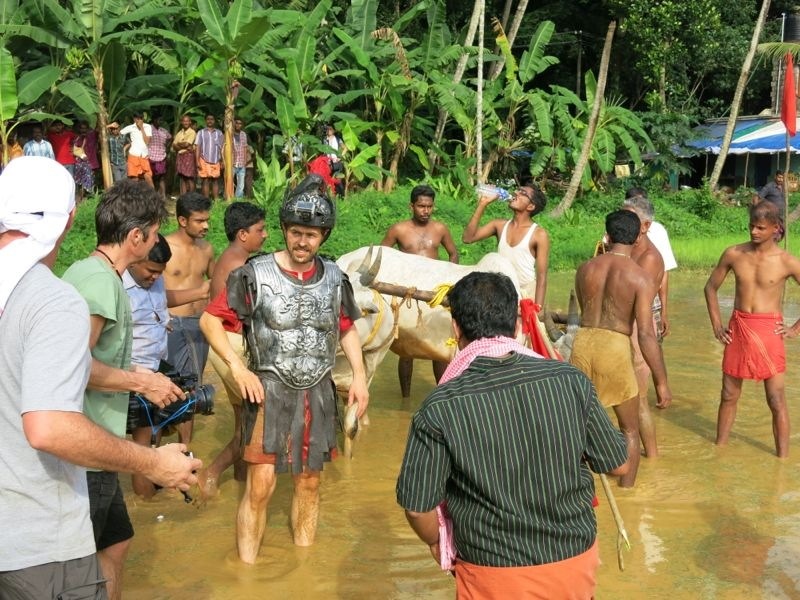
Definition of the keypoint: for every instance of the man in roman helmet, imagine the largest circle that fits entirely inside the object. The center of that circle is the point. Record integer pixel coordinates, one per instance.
(295, 308)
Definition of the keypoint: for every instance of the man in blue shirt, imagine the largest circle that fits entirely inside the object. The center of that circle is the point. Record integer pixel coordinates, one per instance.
(149, 308)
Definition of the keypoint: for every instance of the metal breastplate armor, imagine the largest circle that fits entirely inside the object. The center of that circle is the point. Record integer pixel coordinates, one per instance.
(295, 325)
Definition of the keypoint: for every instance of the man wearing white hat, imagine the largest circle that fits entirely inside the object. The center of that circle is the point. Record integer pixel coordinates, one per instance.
(48, 546)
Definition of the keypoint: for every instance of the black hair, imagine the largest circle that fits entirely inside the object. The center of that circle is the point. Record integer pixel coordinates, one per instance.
(191, 202)
(126, 205)
(484, 305)
(422, 190)
(211, 115)
(539, 200)
(138, 115)
(635, 192)
(161, 252)
(241, 215)
(623, 227)
(767, 211)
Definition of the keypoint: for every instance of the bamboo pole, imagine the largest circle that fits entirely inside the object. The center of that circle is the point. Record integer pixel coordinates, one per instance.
(479, 103)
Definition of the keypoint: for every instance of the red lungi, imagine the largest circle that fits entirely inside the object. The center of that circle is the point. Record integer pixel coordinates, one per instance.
(756, 351)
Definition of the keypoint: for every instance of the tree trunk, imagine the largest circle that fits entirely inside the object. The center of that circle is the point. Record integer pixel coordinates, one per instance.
(102, 122)
(479, 103)
(379, 159)
(459, 73)
(227, 150)
(583, 159)
(512, 34)
(713, 181)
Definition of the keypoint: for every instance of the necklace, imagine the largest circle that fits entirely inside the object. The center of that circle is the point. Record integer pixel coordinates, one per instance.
(619, 254)
(108, 258)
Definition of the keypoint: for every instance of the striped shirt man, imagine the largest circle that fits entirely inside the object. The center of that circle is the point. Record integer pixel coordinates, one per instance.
(209, 144)
(507, 443)
(40, 148)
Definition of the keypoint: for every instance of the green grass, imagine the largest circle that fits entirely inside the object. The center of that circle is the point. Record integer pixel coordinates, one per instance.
(700, 228)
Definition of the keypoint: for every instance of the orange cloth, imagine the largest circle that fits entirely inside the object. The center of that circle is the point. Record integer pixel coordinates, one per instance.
(138, 166)
(570, 579)
(207, 170)
(756, 351)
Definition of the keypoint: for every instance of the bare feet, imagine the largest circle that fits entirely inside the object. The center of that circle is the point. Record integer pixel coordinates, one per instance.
(208, 488)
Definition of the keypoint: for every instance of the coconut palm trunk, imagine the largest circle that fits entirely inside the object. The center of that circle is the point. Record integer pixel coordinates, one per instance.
(583, 159)
(713, 181)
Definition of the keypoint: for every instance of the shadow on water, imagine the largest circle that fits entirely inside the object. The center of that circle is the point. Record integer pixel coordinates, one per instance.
(704, 522)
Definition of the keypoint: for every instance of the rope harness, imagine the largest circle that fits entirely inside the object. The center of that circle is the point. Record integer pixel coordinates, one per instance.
(378, 320)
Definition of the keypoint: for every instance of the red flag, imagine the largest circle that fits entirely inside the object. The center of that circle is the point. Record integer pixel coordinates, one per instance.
(789, 104)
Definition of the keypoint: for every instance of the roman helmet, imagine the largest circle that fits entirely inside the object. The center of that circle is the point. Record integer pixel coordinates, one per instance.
(309, 205)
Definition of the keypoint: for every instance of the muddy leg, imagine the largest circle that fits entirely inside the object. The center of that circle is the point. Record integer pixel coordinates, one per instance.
(208, 478)
(647, 428)
(726, 415)
(628, 418)
(405, 368)
(776, 400)
(305, 507)
(111, 561)
(142, 486)
(252, 516)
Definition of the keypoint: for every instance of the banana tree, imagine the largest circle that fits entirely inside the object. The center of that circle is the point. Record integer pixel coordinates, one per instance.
(24, 92)
(505, 97)
(95, 33)
(229, 36)
(619, 134)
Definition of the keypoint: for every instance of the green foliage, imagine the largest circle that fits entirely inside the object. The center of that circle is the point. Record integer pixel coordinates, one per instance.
(363, 218)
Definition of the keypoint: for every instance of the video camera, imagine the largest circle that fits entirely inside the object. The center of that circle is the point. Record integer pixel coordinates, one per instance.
(199, 399)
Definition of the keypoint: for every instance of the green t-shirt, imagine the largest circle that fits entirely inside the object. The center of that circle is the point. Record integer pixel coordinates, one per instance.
(103, 291)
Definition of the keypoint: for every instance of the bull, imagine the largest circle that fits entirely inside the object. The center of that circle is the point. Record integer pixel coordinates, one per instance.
(419, 330)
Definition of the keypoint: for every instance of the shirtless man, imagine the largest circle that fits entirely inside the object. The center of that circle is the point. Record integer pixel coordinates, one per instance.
(613, 292)
(520, 240)
(649, 258)
(753, 339)
(420, 235)
(246, 232)
(191, 264)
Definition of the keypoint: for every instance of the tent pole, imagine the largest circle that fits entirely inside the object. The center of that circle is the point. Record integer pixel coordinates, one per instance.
(746, 165)
(786, 194)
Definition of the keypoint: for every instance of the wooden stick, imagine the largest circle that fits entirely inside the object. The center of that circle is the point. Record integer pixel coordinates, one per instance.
(622, 535)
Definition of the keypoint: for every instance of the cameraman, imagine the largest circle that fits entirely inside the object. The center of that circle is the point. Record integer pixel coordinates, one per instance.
(149, 303)
(127, 219)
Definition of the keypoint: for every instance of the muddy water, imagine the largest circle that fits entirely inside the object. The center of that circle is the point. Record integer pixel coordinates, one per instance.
(704, 522)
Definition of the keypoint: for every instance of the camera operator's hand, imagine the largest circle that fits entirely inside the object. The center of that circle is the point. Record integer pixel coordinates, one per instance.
(249, 384)
(173, 468)
(158, 388)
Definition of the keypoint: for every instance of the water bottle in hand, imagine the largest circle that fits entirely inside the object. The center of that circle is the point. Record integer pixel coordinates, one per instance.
(487, 189)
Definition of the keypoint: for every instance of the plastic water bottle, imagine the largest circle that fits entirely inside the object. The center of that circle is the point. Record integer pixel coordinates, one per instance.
(487, 189)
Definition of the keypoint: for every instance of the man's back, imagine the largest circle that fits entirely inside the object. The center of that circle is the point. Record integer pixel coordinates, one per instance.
(515, 448)
(607, 288)
(43, 509)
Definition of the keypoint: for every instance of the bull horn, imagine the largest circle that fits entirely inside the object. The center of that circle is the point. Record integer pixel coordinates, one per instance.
(365, 263)
(553, 332)
(370, 272)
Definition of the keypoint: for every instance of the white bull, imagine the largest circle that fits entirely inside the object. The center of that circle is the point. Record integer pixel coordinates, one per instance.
(422, 331)
(375, 330)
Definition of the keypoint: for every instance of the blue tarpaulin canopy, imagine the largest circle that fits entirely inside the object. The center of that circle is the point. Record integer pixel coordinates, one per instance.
(750, 136)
